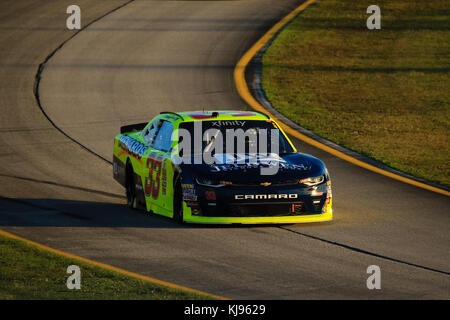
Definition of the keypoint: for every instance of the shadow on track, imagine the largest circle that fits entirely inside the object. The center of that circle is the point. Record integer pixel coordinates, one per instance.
(21, 212)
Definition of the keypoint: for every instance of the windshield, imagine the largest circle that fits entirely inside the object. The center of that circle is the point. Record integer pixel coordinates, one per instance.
(235, 136)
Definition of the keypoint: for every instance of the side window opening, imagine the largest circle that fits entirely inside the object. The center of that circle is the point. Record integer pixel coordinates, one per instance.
(150, 133)
(163, 139)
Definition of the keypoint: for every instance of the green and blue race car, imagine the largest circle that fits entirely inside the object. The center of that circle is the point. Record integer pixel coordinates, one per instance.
(186, 166)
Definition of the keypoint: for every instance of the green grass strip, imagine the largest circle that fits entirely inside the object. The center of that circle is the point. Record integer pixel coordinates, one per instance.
(383, 93)
(28, 272)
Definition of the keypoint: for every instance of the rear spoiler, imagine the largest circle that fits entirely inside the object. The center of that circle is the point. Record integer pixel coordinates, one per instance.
(133, 127)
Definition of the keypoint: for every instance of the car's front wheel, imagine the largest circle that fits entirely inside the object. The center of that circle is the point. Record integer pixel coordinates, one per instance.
(130, 187)
(178, 204)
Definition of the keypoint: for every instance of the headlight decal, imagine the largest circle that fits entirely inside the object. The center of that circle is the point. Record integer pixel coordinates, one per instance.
(313, 181)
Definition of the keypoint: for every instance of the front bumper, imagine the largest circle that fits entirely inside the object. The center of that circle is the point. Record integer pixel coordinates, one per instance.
(235, 206)
(260, 220)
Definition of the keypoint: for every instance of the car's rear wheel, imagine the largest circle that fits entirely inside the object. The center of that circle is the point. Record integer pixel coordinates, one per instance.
(130, 187)
(178, 204)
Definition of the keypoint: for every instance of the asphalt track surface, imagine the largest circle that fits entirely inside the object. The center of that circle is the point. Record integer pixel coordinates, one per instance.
(56, 182)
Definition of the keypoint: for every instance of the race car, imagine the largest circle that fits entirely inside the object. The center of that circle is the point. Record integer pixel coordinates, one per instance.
(220, 167)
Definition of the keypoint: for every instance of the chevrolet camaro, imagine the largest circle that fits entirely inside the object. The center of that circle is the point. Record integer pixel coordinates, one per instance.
(220, 167)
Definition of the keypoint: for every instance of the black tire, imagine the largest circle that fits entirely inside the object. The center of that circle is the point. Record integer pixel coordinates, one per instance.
(130, 187)
(178, 204)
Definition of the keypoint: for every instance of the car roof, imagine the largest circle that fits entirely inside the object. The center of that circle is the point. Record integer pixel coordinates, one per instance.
(190, 116)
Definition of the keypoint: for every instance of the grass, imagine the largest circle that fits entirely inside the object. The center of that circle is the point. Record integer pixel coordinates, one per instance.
(28, 272)
(383, 93)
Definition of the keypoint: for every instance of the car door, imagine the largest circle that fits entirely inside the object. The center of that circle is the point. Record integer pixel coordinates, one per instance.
(159, 173)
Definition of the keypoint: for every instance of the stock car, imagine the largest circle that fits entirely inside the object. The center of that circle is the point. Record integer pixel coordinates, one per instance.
(169, 167)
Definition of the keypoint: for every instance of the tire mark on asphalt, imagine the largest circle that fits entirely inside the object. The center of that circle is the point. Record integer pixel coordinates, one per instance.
(38, 79)
(46, 208)
(359, 250)
(103, 193)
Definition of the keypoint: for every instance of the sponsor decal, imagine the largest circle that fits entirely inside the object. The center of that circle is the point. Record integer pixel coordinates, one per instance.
(291, 166)
(236, 162)
(230, 162)
(210, 195)
(237, 167)
(265, 196)
(189, 197)
(192, 204)
(232, 123)
(188, 192)
(133, 146)
(164, 177)
(329, 195)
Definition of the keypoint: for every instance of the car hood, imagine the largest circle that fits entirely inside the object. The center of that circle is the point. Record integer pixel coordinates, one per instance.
(257, 168)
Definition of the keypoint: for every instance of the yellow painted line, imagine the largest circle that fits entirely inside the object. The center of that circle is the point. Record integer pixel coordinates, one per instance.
(241, 85)
(111, 268)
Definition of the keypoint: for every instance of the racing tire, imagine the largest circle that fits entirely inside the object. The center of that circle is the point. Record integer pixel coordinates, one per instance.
(178, 204)
(130, 187)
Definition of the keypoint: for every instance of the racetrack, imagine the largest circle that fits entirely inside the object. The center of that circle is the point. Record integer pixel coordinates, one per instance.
(152, 56)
